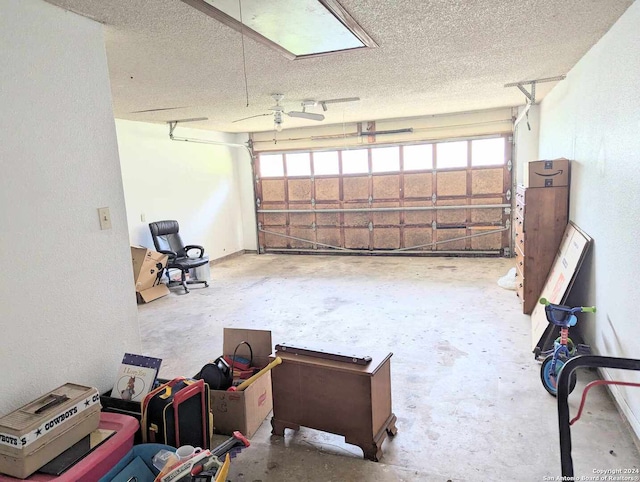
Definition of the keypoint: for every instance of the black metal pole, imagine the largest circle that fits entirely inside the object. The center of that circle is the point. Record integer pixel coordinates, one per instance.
(589, 361)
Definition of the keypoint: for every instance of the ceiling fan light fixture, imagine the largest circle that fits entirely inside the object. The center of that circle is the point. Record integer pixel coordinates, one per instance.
(278, 111)
(277, 121)
(306, 115)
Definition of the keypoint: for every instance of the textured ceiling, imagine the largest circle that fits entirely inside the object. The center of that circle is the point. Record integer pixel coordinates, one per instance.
(434, 56)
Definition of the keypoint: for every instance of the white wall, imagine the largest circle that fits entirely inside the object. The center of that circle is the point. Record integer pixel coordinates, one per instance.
(67, 306)
(196, 184)
(526, 141)
(246, 180)
(593, 118)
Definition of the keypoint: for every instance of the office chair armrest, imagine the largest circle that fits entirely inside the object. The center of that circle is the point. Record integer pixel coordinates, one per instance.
(171, 254)
(194, 246)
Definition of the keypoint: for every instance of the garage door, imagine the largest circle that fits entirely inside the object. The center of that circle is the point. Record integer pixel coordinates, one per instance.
(445, 197)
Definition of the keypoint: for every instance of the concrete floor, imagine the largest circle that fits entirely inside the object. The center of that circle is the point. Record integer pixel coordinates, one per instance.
(465, 386)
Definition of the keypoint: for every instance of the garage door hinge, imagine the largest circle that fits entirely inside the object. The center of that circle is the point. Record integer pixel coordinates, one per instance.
(508, 194)
(507, 224)
(433, 198)
(509, 165)
(507, 210)
(313, 202)
(313, 225)
(434, 225)
(370, 226)
(370, 199)
(258, 202)
(507, 253)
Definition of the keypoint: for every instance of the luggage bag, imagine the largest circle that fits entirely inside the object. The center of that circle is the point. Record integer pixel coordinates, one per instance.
(177, 413)
(126, 407)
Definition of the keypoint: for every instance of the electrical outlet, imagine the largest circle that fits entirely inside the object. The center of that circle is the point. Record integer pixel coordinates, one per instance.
(105, 218)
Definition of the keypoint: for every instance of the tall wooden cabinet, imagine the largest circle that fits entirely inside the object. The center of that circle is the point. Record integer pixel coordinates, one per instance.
(542, 214)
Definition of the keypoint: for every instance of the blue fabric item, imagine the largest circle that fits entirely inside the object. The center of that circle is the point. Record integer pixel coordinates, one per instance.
(145, 452)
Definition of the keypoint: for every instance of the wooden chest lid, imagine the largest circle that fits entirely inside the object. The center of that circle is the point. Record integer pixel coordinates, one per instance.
(334, 357)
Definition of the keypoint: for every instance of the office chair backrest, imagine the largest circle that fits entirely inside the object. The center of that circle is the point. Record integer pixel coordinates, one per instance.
(165, 237)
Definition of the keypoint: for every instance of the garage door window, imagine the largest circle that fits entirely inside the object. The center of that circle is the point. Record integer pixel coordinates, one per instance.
(271, 165)
(418, 157)
(326, 163)
(385, 159)
(298, 164)
(355, 162)
(451, 154)
(487, 152)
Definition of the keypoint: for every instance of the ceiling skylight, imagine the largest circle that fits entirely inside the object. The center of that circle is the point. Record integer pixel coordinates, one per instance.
(297, 28)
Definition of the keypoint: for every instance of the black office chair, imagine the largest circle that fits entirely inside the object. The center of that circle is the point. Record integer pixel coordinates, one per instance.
(167, 241)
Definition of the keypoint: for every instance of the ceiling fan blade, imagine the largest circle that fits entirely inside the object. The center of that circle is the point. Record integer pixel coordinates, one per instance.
(339, 101)
(323, 103)
(250, 117)
(157, 110)
(306, 115)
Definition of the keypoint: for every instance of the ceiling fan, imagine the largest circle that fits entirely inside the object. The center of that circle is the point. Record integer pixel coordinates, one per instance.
(278, 110)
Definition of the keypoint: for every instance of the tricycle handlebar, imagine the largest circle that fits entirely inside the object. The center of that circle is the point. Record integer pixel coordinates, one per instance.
(561, 315)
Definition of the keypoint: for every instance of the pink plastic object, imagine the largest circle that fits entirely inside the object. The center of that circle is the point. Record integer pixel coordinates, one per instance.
(595, 383)
(103, 458)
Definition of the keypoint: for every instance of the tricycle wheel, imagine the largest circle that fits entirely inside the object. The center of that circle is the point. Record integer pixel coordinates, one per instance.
(549, 380)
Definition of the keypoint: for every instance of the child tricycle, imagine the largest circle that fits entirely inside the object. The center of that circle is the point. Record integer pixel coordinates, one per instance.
(563, 347)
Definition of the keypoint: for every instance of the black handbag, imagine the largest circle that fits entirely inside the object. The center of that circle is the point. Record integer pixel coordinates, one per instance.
(216, 374)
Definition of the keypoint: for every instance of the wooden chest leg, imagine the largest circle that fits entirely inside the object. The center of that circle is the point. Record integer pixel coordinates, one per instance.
(278, 426)
(372, 450)
(391, 425)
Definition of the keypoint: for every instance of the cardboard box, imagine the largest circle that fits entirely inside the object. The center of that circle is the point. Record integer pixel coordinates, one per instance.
(148, 267)
(246, 410)
(547, 173)
(38, 432)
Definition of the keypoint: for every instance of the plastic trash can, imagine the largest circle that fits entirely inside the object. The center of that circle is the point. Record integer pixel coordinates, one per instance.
(201, 273)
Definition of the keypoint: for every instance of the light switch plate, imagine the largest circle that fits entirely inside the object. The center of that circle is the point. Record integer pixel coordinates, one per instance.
(105, 218)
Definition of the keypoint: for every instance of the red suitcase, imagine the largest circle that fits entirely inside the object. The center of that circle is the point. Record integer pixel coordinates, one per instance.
(177, 413)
